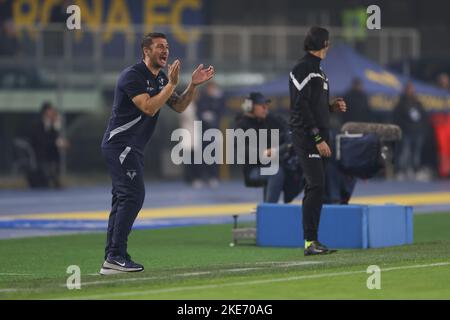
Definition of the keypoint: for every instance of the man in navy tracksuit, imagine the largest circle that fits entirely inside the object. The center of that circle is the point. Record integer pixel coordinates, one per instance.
(310, 122)
(141, 91)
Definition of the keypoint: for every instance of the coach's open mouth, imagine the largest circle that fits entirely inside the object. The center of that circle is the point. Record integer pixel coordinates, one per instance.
(163, 59)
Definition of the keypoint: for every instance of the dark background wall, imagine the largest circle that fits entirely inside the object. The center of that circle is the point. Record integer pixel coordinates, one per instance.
(431, 17)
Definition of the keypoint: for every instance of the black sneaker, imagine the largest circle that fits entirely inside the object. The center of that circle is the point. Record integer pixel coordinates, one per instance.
(316, 248)
(127, 256)
(115, 265)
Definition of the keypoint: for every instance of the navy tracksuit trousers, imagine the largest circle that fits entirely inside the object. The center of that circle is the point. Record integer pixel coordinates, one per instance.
(126, 168)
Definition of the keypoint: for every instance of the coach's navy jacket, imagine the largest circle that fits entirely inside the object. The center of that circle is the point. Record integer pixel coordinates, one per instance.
(129, 126)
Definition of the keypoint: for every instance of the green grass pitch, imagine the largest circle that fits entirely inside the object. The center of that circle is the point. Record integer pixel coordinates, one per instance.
(198, 263)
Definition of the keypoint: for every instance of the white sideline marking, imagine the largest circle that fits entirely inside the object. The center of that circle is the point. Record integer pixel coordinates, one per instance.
(8, 290)
(279, 264)
(15, 274)
(286, 264)
(254, 282)
(297, 263)
(191, 274)
(240, 269)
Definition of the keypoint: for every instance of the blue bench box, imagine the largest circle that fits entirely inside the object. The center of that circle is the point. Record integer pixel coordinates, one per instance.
(341, 226)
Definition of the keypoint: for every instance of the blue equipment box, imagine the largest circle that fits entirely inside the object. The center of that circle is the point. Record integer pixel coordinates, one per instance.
(341, 226)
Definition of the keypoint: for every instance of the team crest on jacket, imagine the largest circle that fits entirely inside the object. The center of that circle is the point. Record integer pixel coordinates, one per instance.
(131, 173)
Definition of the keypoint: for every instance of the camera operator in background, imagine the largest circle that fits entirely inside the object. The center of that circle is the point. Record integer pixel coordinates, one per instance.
(288, 179)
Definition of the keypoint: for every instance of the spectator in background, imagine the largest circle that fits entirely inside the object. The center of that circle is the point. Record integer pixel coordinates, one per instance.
(411, 117)
(443, 81)
(9, 45)
(210, 106)
(358, 102)
(46, 142)
(187, 119)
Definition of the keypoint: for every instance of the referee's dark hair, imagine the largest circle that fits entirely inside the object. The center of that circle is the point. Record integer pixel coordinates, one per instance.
(148, 40)
(316, 39)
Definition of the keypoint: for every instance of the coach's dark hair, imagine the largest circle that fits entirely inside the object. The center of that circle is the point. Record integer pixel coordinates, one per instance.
(316, 39)
(148, 40)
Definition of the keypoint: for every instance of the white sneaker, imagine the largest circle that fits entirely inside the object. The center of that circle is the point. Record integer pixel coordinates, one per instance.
(107, 272)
